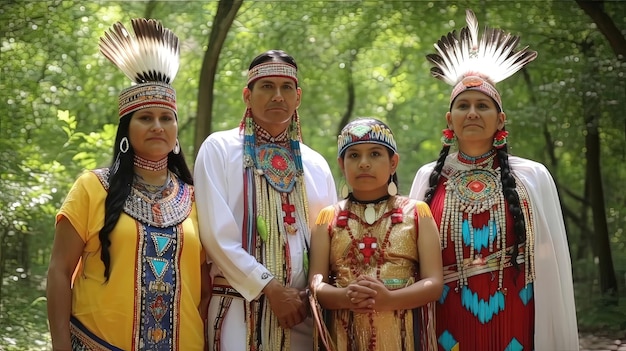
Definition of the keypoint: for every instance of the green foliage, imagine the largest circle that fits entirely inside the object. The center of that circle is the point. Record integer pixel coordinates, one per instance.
(60, 107)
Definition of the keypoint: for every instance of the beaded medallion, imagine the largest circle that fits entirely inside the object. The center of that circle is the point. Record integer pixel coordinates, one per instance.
(475, 189)
(278, 166)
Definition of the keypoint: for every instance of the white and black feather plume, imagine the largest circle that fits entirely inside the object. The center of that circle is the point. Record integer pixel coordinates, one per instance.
(492, 57)
(151, 55)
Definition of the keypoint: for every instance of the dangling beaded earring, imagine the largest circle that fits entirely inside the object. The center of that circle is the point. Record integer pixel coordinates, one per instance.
(176, 148)
(499, 139)
(448, 138)
(124, 145)
(392, 188)
(344, 191)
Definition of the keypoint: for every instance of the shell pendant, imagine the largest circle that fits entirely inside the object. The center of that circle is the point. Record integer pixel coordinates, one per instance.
(370, 214)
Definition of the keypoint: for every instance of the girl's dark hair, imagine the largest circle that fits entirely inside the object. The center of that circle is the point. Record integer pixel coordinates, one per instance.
(269, 56)
(508, 188)
(121, 177)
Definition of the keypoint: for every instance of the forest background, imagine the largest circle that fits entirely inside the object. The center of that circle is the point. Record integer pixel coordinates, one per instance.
(58, 111)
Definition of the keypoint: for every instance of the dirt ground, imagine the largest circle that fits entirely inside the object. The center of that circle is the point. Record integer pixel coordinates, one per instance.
(594, 342)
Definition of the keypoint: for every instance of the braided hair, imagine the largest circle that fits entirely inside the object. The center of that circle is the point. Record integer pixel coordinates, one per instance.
(121, 177)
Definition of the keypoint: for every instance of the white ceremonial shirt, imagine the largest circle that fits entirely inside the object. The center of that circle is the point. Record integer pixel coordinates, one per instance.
(218, 181)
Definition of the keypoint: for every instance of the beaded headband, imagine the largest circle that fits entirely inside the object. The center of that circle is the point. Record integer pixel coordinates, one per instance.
(365, 131)
(150, 59)
(479, 84)
(468, 62)
(272, 69)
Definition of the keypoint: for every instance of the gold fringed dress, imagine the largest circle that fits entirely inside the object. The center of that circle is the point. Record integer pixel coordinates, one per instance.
(387, 250)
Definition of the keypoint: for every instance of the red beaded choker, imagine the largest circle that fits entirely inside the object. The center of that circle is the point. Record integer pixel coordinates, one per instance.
(142, 163)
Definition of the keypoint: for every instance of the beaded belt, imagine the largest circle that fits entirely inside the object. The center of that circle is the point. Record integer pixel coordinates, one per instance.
(479, 265)
(221, 287)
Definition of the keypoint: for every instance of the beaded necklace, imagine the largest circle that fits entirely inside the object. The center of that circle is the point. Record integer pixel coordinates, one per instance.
(477, 160)
(473, 188)
(152, 191)
(149, 165)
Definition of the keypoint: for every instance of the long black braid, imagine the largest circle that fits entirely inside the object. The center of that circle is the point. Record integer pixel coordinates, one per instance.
(433, 180)
(512, 198)
(121, 177)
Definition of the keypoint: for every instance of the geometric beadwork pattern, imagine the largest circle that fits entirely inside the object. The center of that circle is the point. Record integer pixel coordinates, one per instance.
(447, 342)
(514, 345)
(482, 309)
(444, 293)
(278, 165)
(161, 243)
(483, 237)
(526, 293)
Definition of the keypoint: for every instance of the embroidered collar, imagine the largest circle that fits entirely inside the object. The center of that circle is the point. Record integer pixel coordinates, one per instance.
(172, 208)
(264, 137)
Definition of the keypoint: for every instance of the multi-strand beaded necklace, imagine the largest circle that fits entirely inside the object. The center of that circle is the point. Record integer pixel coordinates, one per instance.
(149, 165)
(473, 187)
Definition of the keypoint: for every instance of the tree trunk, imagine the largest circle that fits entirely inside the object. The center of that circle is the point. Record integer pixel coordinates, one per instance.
(224, 17)
(600, 233)
(606, 25)
(3, 234)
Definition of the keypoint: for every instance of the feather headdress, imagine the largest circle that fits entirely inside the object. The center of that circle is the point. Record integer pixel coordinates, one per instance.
(467, 62)
(150, 59)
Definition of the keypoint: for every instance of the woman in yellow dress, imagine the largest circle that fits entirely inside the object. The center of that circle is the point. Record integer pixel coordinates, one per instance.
(375, 256)
(127, 270)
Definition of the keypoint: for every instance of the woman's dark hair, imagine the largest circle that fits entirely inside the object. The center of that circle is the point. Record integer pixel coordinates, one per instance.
(269, 56)
(508, 188)
(121, 177)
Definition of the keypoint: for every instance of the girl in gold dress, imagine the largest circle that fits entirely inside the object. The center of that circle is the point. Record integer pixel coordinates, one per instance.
(375, 256)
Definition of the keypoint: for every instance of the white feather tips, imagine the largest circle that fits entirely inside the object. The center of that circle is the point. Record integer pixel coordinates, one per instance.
(492, 56)
(151, 55)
